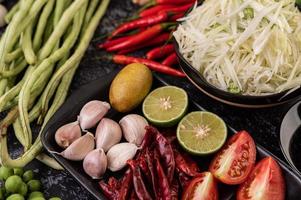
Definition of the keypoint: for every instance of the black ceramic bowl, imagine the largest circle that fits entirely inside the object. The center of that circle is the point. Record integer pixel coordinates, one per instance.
(237, 100)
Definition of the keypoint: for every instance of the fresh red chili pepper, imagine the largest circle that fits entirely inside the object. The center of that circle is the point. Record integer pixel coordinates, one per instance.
(141, 37)
(155, 10)
(170, 60)
(109, 43)
(125, 185)
(109, 192)
(142, 22)
(166, 154)
(125, 60)
(176, 17)
(160, 52)
(178, 2)
(183, 179)
(164, 188)
(185, 164)
(138, 182)
(159, 40)
(174, 189)
(149, 160)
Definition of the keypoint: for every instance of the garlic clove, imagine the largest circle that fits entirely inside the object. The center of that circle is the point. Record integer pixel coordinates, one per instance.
(133, 128)
(95, 163)
(79, 148)
(92, 113)
(108, 133)
(67, 134)
(119, 154)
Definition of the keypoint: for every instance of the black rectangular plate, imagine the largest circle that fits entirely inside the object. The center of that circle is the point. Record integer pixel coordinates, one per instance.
(99, 89)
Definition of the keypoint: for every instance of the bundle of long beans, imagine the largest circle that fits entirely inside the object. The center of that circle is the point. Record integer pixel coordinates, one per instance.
(40, 51)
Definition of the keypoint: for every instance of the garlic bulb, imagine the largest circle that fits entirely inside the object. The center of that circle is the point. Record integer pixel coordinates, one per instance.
(67, 134)
(119, 154)
(95, 163)
(92, 113)
(133, 128)
(3, 12)
(79, 148)
(108, 133)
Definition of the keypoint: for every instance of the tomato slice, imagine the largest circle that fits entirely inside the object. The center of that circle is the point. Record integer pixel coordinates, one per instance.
(202, 187)
(234, 162)
(265, 182)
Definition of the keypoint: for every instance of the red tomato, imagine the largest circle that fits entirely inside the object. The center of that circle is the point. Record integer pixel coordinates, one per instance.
(265, 182)
(234, 162)
(202, 187)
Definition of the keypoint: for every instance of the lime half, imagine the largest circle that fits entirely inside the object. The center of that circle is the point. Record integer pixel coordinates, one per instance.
(165, 106)
(201, 133)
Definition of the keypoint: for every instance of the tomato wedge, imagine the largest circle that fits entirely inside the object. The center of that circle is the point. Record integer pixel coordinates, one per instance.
(202, 187)
(265, 182)
(234, 162)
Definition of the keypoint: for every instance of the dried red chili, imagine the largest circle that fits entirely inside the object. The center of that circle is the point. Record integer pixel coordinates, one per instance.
(174, 189)
(109, 192)
(150, 159)
(183, 179)
(185, 164)
(164, 187)
(125, 185)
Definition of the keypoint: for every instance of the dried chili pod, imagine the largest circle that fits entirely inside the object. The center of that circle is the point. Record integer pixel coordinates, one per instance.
(174, 189)
(126, 184)
(183, 179)
(108, 191)
(164, 187)
(149, 159)
(185, 164)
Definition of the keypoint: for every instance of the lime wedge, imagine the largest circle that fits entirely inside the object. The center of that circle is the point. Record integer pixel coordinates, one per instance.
(165, 106)
(202, 133)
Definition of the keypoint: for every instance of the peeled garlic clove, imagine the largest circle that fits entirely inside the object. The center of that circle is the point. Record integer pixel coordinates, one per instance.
(133, 128)
(119, 154)
(95, 163)
(92, 113)
(108, 133)
(67, 134)
(79, 148)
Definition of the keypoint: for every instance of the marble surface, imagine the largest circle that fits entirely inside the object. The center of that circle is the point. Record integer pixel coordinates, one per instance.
(263, 124)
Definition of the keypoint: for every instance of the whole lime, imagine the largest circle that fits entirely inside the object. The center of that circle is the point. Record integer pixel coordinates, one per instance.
(15, 197)
(23, 189)
(38, 198)
(34, 185)
(5, 172)
(55, 198)
(13, 184)
(28, 175)
(18, 171)
(35, 194)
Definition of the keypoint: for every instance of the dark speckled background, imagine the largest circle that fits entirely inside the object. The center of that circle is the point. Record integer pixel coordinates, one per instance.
(263, 124)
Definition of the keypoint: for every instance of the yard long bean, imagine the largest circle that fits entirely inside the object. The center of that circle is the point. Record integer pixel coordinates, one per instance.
(13, 55)
(8, 17)
(27, 45)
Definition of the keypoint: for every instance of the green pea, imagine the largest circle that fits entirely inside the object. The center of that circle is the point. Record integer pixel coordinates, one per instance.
(23, 189)
(28, 175)
(5, 172)
(55, 198)
(34, 185)
(13, 184)
(35, 194)
(18, 171)
(15, 197)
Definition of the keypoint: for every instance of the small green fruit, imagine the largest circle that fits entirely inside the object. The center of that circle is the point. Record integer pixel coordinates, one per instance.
(5, 172)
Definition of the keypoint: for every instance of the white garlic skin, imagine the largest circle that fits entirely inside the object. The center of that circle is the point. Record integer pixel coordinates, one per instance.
(3, 12)
(133, 128)
(119, 154)
(79, 148)
(95, 163)
(92, 113)
(67, 134)
(108, 133)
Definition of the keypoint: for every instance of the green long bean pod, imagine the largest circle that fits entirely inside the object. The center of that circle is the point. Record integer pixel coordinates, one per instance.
(61, 27)
(8, 17)
(37, 146)
(27, 45)
(3, 84)
(44, 17)
(43, 158)
(20, 66)
(49, 28)
(13, 55)
(91, 9)
(19, 133)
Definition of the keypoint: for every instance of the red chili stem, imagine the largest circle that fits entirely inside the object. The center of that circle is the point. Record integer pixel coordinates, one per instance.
(159, 40)
(141, 37)
(138, 182)
(160, 52)
(171, 60)
(125, 60)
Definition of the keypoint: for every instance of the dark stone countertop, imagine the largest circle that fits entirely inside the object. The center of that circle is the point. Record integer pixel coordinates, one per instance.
(263, 124)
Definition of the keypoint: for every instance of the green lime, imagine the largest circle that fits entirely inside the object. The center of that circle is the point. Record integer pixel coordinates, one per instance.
(55, 198)
(201, 132)
(23, 189)
(34, 185)
(15, 197)
(5, 172)
(28, 175)
(165, 106)
(38, 198)
(35, 194)
(18, 171)
(13, 184)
